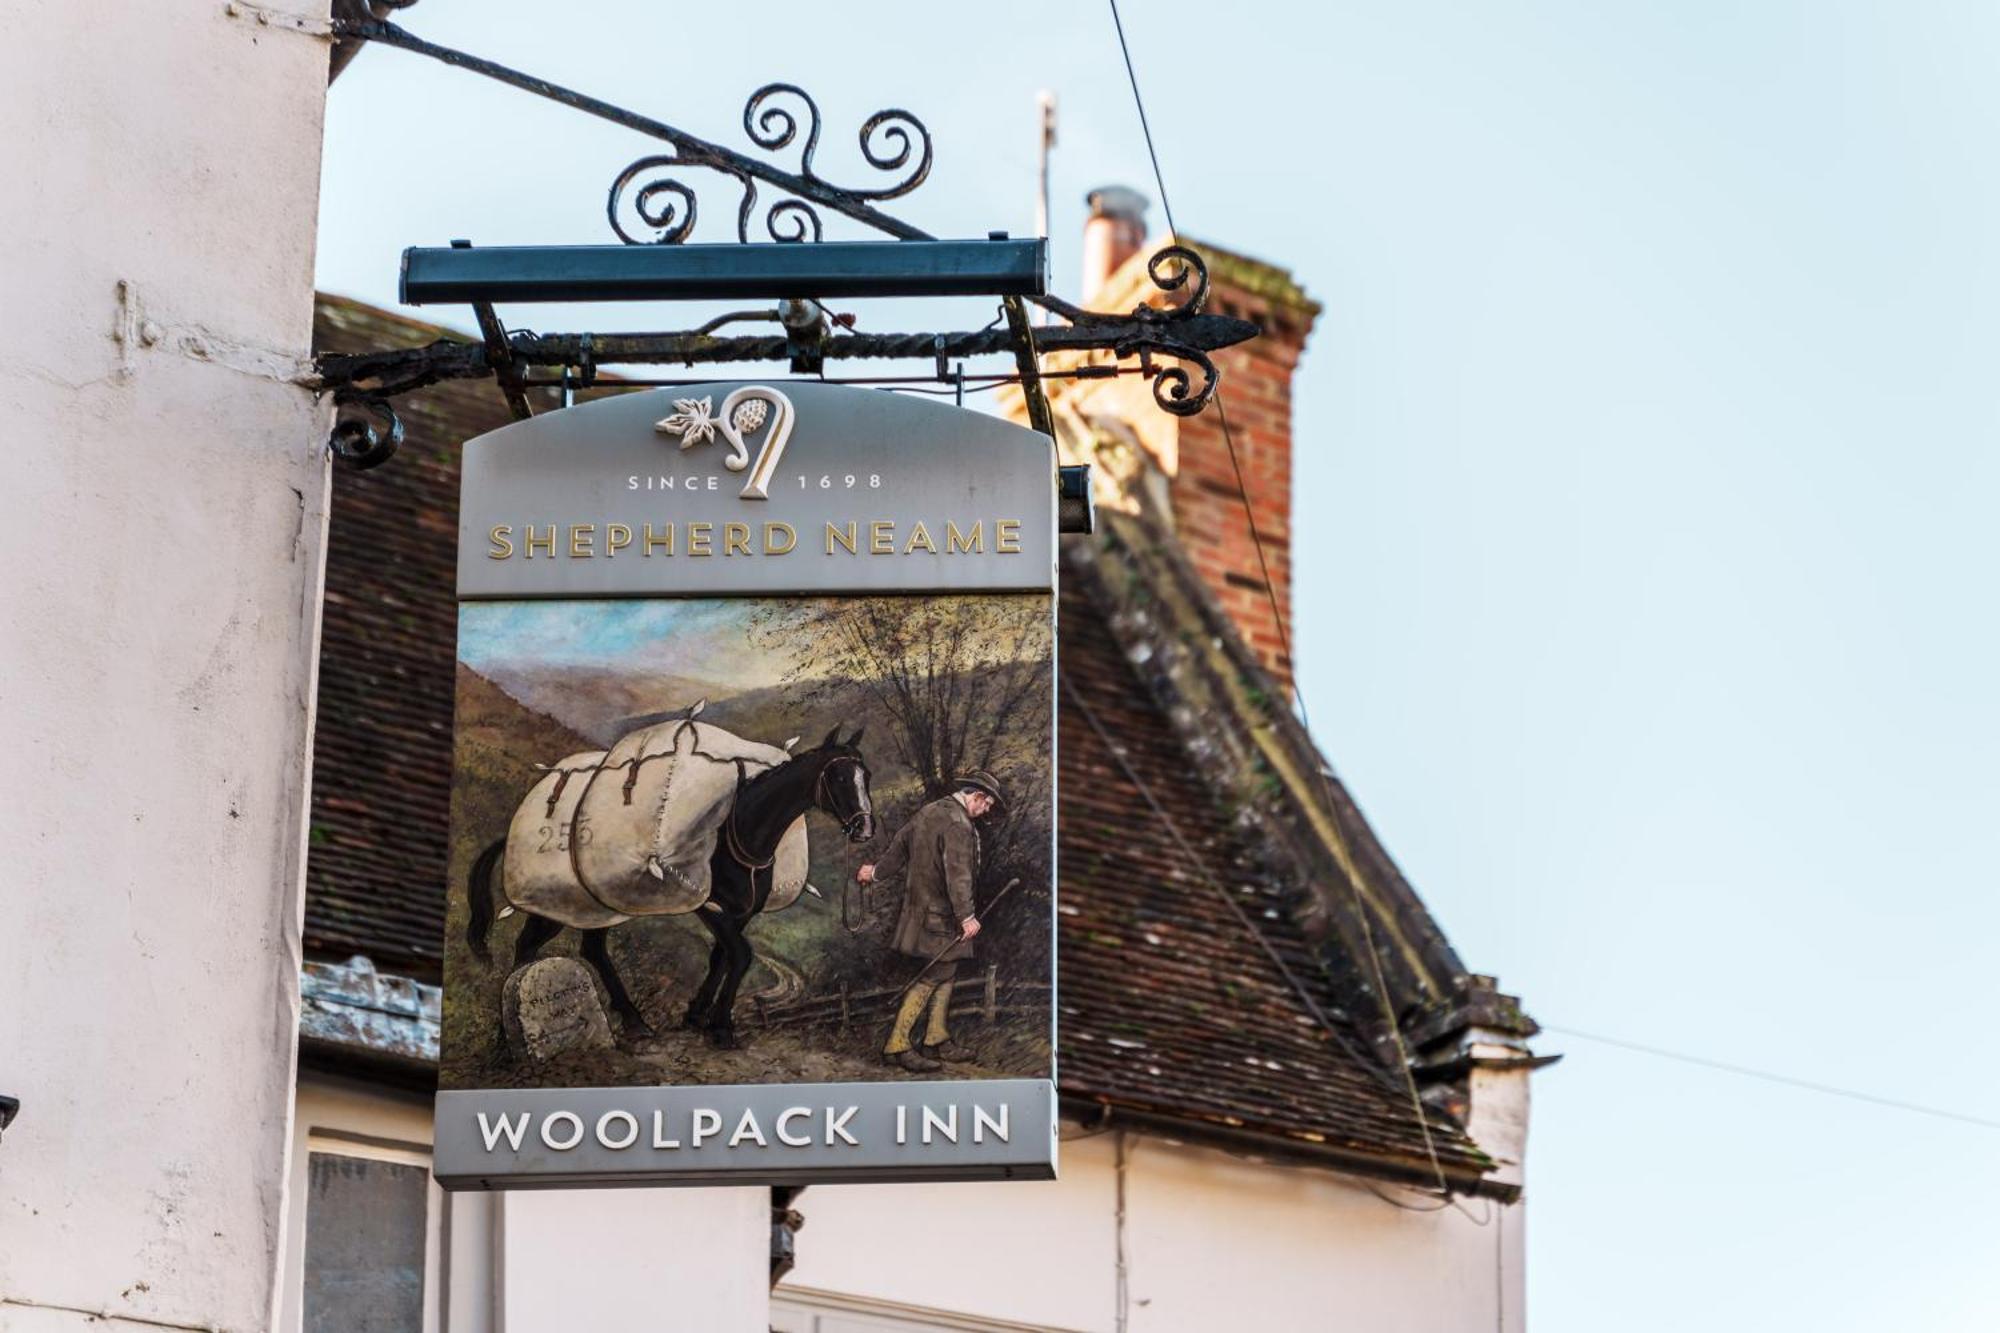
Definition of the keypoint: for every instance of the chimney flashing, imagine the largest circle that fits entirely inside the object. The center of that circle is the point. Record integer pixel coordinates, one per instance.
(1118, 201)
(1114, 232)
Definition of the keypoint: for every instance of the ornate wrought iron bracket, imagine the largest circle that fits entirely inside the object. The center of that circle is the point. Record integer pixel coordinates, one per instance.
(650, 202)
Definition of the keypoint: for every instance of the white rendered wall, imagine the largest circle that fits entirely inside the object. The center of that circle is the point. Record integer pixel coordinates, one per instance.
(680, 1260)
(552, 1261)
(162, 502)
(1210, 1242)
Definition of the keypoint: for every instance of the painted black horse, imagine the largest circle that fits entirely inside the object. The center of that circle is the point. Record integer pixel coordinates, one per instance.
(832, 778)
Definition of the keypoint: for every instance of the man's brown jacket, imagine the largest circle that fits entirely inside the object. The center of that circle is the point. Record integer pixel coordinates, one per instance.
(936, 852)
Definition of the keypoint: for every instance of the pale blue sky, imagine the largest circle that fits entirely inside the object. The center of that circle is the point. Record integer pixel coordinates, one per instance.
(1646, 470)
(701, 640)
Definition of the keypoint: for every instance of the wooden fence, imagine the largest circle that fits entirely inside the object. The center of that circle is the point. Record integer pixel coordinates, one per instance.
(980, 996)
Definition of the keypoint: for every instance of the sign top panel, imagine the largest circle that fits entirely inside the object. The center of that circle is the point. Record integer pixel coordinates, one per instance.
(748, 488)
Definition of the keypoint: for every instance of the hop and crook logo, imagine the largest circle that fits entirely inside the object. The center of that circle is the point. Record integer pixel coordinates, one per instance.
(744, 412)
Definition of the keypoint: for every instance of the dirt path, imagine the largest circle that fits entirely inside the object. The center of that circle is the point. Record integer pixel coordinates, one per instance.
(788, 986)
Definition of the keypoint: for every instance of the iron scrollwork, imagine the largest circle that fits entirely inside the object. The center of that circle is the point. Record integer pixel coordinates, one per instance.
(356, 441)
(1174, 390)
(1183, 332)
(1171, 269)
(775, 117)
(667, 205)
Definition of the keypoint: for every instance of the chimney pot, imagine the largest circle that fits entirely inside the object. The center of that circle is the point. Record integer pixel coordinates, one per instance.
(1114, 233)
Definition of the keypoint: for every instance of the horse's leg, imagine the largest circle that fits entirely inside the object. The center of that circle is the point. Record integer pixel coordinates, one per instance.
(535, 932)
(718, 963)
(597, 952)
(722, 1020)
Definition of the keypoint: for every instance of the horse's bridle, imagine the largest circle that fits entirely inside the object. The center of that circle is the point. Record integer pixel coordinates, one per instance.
(734, 840)
(822, 797)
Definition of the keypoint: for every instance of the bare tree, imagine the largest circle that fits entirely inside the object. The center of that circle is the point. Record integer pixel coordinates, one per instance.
(962, 682)
(956, 677)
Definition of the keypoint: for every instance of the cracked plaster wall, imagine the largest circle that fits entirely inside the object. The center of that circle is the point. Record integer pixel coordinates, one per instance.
(160, 531)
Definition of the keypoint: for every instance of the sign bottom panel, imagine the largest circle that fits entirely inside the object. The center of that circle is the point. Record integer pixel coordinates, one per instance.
(748, 1134)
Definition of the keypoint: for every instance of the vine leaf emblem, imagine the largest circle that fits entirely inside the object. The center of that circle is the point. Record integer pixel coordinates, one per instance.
(693, 419)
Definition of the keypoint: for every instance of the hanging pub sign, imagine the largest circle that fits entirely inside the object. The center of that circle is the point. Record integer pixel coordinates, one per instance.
(752, 853)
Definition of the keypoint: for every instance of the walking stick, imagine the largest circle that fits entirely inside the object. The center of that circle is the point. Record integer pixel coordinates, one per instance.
(953, 945)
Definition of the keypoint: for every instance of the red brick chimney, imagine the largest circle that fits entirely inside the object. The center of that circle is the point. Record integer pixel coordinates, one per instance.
(1206, 501)
(1113, 233)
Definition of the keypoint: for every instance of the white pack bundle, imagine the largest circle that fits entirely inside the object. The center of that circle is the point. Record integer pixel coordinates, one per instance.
(654, 812)
(607, 836)
(539, 873)
(789, 871)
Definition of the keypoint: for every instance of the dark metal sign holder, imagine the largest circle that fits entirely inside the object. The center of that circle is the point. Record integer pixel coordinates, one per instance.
(654, 222)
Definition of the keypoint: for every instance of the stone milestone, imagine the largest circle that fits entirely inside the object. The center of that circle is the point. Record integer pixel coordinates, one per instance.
(551, 1006)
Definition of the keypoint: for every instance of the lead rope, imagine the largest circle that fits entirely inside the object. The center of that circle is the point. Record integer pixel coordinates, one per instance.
(847, 887)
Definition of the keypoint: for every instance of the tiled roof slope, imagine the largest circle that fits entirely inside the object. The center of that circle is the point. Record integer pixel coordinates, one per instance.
(1394, 974)
(1173, 1016)
(1168, 1004)
(381, 791)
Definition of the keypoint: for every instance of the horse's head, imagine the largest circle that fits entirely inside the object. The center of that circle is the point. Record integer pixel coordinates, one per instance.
(841, 786)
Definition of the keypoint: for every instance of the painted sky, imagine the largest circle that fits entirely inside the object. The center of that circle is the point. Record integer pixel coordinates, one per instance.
(1646, 477)
(696, 639)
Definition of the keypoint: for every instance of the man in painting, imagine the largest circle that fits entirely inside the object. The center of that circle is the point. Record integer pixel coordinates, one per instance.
(937, 853)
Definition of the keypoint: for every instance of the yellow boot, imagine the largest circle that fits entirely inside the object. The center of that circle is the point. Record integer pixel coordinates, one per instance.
(897, 1050)
(938, 1044)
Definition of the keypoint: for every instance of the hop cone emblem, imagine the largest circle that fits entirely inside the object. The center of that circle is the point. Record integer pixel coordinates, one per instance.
(750, 414)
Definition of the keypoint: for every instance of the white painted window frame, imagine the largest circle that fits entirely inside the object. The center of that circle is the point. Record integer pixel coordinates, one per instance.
(811, 1310)
(359, 1119)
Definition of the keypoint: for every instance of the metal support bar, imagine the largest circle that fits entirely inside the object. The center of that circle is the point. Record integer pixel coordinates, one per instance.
(500, 355)
(1022, 335)
(652, 207)
(825, 269)
(402, 369)
(667, 204)
(691, 150)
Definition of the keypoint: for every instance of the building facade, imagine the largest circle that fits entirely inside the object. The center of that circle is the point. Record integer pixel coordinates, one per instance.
(1241, 1141)
(1287, 1102)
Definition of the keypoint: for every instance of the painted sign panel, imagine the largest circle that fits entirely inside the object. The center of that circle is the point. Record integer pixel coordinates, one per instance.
(752, 829)
(833, 489)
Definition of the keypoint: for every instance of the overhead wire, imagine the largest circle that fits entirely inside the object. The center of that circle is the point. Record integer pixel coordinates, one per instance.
(1132, 76)
(1784, 1080)
(1284, 641)
(1361, 911)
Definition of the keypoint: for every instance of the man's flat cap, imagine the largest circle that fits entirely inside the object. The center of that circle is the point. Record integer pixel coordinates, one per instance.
(979, 779)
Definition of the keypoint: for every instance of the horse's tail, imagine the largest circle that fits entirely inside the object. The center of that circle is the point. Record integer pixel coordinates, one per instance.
(479, 899)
